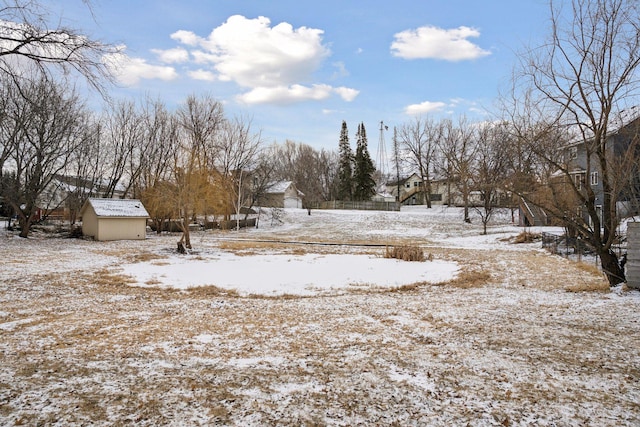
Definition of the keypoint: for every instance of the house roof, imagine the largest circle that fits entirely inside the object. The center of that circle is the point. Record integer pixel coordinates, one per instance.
(402, 180)
(117, 208)
(278, 187)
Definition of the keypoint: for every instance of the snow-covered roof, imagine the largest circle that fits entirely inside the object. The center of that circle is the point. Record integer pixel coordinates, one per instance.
(278, 187)
(123, 208)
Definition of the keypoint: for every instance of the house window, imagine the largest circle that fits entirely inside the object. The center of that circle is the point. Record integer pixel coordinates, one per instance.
(573, 153)
(415, 184)
(408, 185)
(580, 177)
(594, 178)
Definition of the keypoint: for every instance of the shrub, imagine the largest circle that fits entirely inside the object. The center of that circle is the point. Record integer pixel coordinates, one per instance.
(406, 253)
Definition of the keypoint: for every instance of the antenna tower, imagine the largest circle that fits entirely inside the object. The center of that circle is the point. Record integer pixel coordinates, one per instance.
(381, 158)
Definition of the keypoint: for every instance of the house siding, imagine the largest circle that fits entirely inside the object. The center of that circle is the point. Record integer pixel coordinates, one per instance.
(633, 255)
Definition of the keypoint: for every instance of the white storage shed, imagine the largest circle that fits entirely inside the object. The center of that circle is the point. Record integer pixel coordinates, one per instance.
(114, 219)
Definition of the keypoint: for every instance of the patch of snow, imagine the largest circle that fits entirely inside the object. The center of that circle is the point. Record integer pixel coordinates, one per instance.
(307, 274)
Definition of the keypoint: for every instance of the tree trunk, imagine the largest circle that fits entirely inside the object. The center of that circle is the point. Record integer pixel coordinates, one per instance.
(25, 225)
(465, 202)
(24, 229)
(612, 268)
(185, 240)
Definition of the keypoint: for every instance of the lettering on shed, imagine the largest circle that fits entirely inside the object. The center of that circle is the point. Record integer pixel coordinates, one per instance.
(114, 219)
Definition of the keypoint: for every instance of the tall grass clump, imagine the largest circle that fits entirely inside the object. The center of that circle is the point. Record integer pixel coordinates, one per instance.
(405, 253)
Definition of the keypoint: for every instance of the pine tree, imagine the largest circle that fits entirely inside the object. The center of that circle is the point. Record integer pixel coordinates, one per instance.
(345, 171)
(364, 184)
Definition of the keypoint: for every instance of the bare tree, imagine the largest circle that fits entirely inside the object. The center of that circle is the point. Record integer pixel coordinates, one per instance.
(30, 38)
(193, 170)
(490, 168)
(458, 149)
(160, 143)
(83, 169)
(43, 127)
(583, 75)
(238, 149)
(121, 136)
(201, 119)
(420, 140)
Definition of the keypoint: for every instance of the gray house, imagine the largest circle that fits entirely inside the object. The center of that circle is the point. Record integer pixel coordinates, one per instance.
(585, 172)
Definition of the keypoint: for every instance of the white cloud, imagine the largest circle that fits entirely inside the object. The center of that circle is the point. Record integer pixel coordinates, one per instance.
(171, 56)
(437, 43)
(274, 63)
(254, 54)
(346, 93)
(286, 94)
(202, 75)
(424, 107)
(341, 70)
(186, 37)
(129, 71)
(295, 93)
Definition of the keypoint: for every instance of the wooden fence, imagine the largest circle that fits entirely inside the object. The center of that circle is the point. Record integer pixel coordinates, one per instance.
(363, 206)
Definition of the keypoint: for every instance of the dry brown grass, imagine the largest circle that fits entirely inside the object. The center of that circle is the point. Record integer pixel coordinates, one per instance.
(594, 281)
(248, 248)
(211, 291)
(143, 257)
(405, 253)
(106, 276)
(470, 278)
(527, 237)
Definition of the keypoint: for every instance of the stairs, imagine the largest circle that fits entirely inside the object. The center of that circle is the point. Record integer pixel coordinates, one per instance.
(534, 215)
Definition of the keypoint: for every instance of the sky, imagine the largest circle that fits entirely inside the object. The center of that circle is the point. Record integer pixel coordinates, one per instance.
(297, 69)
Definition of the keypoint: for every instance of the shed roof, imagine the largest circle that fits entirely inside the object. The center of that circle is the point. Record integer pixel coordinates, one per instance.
(117, 208)
(278, 187)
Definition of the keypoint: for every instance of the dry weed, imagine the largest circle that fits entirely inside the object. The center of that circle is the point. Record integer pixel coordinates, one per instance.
(405, 253)
(527, 237)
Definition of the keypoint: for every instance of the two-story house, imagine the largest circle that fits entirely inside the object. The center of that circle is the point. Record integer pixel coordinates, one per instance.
(582, 172)
(412, 191)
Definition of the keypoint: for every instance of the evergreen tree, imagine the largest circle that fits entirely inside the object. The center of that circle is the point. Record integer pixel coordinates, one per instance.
(364, 184)
(345, 168)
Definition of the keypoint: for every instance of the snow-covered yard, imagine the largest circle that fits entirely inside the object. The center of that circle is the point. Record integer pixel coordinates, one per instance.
(306, 323)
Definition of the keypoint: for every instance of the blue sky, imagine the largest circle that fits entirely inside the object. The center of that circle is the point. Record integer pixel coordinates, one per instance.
(298, 68)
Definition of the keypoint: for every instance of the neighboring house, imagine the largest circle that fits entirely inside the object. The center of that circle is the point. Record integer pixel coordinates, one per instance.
(412, 191)
(577, 166)
(384, 197)
(65, 195)
(283, 194)
(114, 219)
